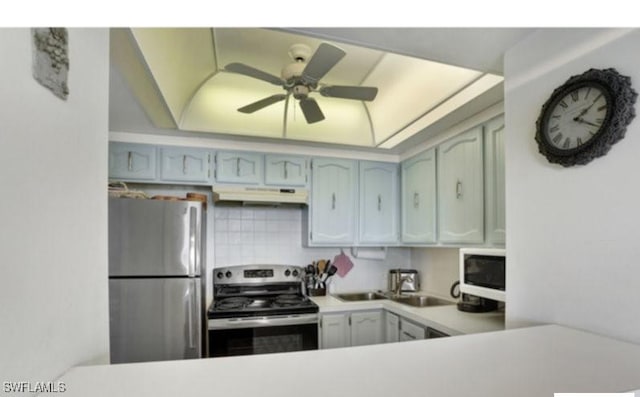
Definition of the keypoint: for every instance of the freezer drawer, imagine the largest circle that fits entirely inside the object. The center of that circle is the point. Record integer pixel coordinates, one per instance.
(154, 237)
(154, 319)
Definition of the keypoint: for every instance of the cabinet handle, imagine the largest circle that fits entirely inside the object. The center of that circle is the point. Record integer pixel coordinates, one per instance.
(286, 172)
(130, 161)
(184, 164)
(238, 166)
(333, 201)
(458, 189)
(379, 203)
(416, 199)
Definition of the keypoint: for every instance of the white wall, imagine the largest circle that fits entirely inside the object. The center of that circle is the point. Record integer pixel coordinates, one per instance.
(572, 236)
(53, 233)
(438, 269)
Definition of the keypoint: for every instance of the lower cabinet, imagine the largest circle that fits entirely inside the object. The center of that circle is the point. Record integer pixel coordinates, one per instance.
(411, 331)
(351, 329)
(392, 328)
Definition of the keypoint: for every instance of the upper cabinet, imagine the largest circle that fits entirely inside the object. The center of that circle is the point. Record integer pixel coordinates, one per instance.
(461, 188)
(333, 202)
(378, 215)
(185, 164)
(239, 167)
(130, 161)
(418, 198)
(494, 181)
(284, 170)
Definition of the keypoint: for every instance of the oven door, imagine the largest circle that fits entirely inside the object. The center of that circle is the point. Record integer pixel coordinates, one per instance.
(260, 335)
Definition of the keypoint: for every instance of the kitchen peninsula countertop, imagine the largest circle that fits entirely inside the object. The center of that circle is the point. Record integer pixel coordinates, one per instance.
(446, 318)
(526, 362)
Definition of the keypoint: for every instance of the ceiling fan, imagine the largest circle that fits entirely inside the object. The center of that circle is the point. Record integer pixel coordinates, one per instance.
(303, 77)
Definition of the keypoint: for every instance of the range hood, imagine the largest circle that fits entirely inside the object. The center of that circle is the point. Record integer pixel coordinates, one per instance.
(260, 195)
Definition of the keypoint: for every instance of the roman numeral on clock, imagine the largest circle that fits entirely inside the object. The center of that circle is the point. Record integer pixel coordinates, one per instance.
(563, 104)
(579, 141)
(574, 96)
(555, 129)
(556, 139)
(566, 143)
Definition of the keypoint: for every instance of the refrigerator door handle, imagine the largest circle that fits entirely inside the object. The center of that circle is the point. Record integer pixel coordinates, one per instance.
(193, 235)
(190, 329)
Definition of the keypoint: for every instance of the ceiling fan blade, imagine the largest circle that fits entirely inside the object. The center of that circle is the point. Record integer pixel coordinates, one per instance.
(311, 110)
(252, 107)
(350, 92)
(246, 70)
(325, 57)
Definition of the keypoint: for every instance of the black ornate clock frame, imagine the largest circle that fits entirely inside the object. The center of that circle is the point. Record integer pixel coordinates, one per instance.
(621, 98)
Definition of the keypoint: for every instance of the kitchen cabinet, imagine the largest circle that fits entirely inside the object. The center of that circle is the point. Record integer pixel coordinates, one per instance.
(132, 162)
(378, 215)
(366, 328)
(494, 182)
(284, 170)
(239, 167)
(411, 331)
(332, 211)
(392, 327)
(356, 328)
(418, 198)
(334, 331)
(461, 188)
(185, 164)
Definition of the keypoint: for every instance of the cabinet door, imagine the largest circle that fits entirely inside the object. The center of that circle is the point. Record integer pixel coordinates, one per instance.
(334, 331)
(133, 162)
(185, 165)
(410, 331)
(461, 189)
(239, 167)
(366, 328)
(494, 181)
(378, 202)
(392, 328)
(285, 170)
(418, 206)
(333, 201)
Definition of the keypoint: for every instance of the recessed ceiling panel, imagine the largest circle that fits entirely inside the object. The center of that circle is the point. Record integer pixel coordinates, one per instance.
(215, 108)
(345, 123)
(179, 60)
(408, 88)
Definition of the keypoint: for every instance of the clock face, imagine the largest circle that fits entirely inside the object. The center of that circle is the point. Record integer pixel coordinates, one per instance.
(576, 117)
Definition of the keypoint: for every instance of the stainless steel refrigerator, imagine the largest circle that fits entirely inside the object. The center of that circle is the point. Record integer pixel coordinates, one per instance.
(155, 254)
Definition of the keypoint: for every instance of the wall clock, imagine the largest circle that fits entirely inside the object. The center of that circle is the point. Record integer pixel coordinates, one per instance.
(585, 116)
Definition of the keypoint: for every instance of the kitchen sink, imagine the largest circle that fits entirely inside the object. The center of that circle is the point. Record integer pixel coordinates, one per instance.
(360, 296)
(420, 301)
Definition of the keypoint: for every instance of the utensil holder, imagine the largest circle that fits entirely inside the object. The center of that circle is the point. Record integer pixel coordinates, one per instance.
(317, 291)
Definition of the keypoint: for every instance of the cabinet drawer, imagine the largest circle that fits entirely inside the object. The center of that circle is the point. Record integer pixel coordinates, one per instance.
(411, 331)
(185, 165)
(129, 161)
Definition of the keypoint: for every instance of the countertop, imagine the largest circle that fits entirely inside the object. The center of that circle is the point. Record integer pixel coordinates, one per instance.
(447, 318)
(526, 362)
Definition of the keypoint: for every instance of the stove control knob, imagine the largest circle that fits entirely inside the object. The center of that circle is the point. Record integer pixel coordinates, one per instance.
(228, 274)
(295, 273)
(219, 275)
(287, 272)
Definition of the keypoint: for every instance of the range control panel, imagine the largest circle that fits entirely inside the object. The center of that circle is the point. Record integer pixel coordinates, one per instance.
(257, 274)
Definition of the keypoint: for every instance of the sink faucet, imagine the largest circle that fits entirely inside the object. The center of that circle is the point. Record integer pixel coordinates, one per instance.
(399, 284)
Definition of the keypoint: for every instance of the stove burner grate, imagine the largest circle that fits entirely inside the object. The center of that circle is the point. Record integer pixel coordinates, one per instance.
(237, 302)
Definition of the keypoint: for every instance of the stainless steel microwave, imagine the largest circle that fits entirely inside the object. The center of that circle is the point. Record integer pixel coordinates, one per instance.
(483, 272)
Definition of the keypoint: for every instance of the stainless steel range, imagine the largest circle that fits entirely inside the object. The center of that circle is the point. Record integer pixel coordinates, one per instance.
(260, 309)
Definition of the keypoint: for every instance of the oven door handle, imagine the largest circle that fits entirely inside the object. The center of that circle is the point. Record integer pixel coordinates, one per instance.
(259, 322)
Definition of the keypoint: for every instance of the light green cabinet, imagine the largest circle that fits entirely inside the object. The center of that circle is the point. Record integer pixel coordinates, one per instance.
(378, 213)
(333, 204)
(418, 198)
(494, 182)
(239, 167)
(356, 328)
(461, 189)
(132, 162)
(285, 170)
(185, 164)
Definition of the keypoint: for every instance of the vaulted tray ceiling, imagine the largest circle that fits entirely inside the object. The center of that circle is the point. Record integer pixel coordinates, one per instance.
(193, 91)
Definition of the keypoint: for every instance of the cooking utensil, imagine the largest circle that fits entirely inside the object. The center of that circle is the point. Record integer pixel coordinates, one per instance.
(321, 266)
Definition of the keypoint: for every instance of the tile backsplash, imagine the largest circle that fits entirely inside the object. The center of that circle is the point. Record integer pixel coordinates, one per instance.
(273, 235)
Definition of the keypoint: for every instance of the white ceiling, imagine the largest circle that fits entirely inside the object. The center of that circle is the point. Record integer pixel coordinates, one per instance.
(177, 76)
